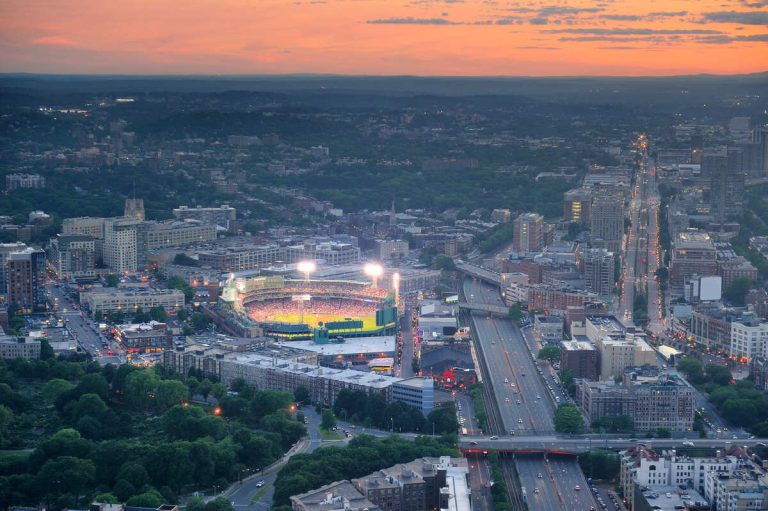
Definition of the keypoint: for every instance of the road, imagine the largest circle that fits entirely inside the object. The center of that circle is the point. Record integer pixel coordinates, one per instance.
(83, 329)
(525, 405)
(584, 443)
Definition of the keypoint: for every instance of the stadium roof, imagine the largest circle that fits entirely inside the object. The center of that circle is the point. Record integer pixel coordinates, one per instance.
(350, 346)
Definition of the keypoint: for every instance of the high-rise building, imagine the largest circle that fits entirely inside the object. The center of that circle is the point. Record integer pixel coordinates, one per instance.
(693, 252)
(599, 266)
(391, 249)
(73, 256)
(528, 233)
(576, 205)
(121, 244)
(606, 217)
(6, 249)
(726, 186)
(26, 280)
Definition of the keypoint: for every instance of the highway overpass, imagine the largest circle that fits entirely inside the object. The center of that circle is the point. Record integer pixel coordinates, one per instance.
(482, 307)
(578, 445)
(491, 277)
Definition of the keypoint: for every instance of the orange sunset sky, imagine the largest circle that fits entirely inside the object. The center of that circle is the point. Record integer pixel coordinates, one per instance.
(375, 37)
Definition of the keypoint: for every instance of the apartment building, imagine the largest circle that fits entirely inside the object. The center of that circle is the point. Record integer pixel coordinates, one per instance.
(528, 233)
(106, 300)
(337, 496)
(25, 280)
(598, 266)
(242, 258)
(749, 338)
(12, 347)
(178, 234)
(693, 253)
(73, 256)
(580, 357)
(223, 215)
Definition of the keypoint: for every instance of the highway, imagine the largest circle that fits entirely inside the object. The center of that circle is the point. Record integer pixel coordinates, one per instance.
(580, 444)
(524, 403)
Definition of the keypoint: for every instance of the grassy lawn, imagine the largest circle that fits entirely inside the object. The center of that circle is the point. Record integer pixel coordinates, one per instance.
(330, 435)
(259, 494)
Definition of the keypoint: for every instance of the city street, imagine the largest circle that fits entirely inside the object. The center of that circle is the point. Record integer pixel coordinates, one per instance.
(84, 330)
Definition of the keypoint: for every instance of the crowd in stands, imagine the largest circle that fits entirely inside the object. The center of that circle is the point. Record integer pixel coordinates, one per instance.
(320, 288)
(275, 310)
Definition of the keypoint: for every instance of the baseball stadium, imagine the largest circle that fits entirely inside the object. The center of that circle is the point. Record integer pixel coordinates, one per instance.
(294, 309)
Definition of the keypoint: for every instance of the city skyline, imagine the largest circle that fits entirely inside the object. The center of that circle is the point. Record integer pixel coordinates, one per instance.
(440, 38)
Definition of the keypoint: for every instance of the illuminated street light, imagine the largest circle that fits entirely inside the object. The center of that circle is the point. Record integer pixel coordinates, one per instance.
(306, 267)
(374, 271)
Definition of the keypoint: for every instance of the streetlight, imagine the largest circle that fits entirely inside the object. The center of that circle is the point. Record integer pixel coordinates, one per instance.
(373, 270)
(392, 424)
(306, 267)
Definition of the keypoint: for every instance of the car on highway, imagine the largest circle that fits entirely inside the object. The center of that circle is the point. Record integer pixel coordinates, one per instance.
(494, 437)
(259, 484)
(519, 402)
(506, 400)
(688, 443)
(506, 380)
(577, 488)
(535, 490)
(539, 475)
(519, 421)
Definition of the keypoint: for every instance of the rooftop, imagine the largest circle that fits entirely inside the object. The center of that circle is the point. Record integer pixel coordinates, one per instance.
(350, 346)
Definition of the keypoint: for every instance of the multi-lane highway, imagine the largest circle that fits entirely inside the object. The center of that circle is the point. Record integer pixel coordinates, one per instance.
(524, 403)
(580, 444)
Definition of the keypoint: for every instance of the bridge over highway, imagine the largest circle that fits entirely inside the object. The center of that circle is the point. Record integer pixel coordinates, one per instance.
(577, 445)
(482, 307)
(480, 273)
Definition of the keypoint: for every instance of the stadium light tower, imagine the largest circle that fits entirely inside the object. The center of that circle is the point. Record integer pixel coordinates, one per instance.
(396, 286)
(306, 267)
(374, 271)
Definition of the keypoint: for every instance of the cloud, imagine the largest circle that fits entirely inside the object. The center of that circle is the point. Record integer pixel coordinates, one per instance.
(663, 14)
(539, 21)
(726, 39)
(756, 3)
(556, 10)
(413, 21)
(740, 17)
(621, 17)
(53, 40)
(632, 31)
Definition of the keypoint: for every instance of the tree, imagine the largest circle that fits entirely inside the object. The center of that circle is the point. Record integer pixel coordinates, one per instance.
(183, 314)
(549, 352)
(717, 374)
(568, 419)
(158, 314)
(65, 475)
(181, 285)
(183, 259)
(46, 351)
(204, 388)
(170, 393)
(147, 499)
(516, 312)
(219, 504)
(219, 390)
(738, 290)
(328, 420)
(140, 389)
(106, 498)
(111, 280)
(443, 419)
(55, 388)
(141, 317)
(301, 394)
(692, 369)
(200, 321)
(195, 504)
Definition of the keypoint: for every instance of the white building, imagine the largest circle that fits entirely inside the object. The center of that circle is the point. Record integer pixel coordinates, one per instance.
(120, 244)
(749, 340)
(129, 300)
(18, 347)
